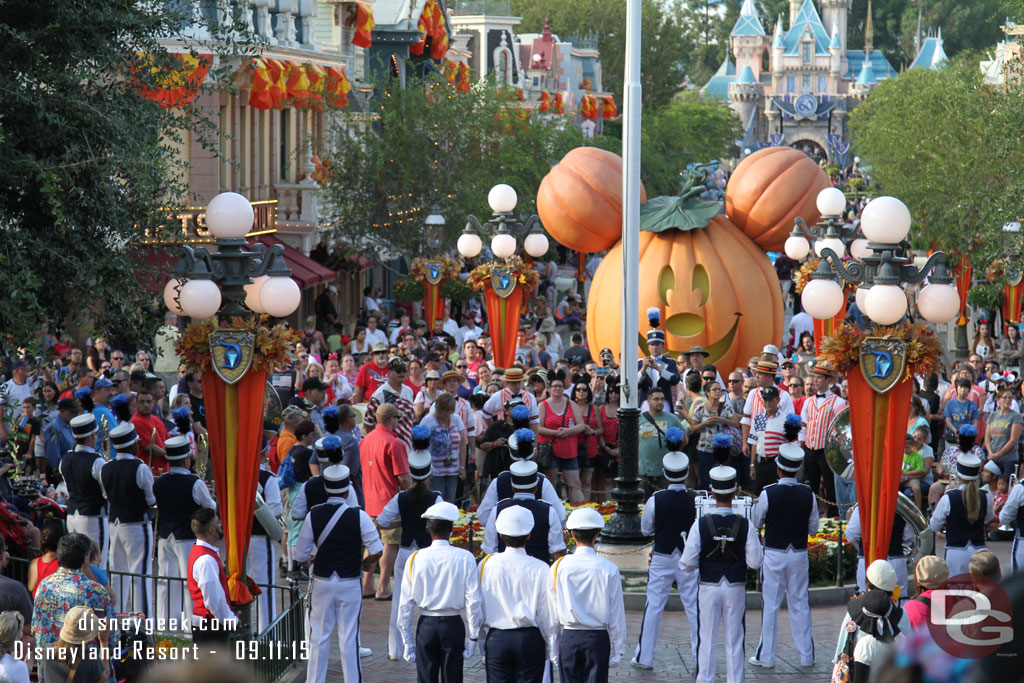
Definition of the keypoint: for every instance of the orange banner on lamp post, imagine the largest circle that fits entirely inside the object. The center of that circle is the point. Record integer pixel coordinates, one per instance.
(503, 317)
(963, 285)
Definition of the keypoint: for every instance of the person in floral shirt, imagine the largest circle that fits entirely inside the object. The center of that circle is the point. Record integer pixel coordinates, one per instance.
(65, 588)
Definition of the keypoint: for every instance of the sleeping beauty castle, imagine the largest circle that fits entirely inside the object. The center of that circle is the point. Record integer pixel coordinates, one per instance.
(797, 85)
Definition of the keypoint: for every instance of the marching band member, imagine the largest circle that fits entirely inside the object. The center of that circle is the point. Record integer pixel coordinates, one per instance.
(514, 603)
(442, 581)
(87, 502)
(721, 546)
(788, 512)
(128, 483)
(1013, 513)
(312, 492)
(334, 535)
(657, 370)
(520, 448)
(667, 516)
(406, 510)
(212, 618)
(262, 556)
(546, 540)
(901, 533)
(179, 494)
(585, 598)
(965, 511)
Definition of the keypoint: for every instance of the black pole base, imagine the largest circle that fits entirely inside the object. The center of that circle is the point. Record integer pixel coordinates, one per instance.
(624, 526)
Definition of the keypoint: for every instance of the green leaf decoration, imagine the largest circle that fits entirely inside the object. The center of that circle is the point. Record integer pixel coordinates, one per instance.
(665, 213)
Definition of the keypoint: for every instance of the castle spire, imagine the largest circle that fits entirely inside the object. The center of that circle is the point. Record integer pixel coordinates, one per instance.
(869, 32)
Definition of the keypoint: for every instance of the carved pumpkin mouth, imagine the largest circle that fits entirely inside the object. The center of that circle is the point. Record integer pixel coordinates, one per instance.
(718, 348)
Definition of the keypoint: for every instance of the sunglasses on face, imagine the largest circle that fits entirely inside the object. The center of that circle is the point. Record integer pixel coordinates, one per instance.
(735, 381)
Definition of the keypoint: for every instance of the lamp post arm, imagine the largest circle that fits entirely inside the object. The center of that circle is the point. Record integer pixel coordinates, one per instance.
(910, 274)
(473, 225)
(259, 266)
(854, 272)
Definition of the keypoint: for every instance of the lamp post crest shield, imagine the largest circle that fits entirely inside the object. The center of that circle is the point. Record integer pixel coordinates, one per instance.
(503, 281)
(232, 352)
(883, 362)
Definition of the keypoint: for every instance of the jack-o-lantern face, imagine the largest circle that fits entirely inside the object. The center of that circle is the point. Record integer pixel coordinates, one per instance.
(714, 287)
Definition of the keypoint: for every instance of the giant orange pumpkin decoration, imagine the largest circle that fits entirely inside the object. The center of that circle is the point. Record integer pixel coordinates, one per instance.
(714, 286)
(769, 189)
(580, 200)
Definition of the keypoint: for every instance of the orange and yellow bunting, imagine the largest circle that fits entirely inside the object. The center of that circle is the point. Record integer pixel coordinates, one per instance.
(177, 86)
(338, 87)
(363, 36)
(559, 105)
(545, 102)
(450, 72)
(588, 107)
(463, 77)
(432, 25)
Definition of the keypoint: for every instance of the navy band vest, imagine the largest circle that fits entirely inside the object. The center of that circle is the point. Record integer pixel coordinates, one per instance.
(342, 551)
(85, 495)
(414, 527)
(895, 541)
(127, 501)
(674, 512)
(175, 505)
(789, 511)
(257, 528)
(711, 565)
(960, 532)
(537, 544)
(503, 485)
(316, 492)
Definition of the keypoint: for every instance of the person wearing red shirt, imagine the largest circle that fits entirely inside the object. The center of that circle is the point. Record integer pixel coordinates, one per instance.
(385, 469)
(152, 432)
(372, 375)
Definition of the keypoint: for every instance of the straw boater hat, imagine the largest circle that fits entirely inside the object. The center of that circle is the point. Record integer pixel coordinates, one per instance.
(80, 625)
(767, 365)
(820, 366)
(514, 374)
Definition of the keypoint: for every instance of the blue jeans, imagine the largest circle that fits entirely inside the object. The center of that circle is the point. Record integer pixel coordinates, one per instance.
(446, 486)
(846, 495)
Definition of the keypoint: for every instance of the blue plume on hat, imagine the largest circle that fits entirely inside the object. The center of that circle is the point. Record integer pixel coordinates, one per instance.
(81, 392)
(721, 447)
(331, 443)
(330, 411)
(523, 435)
(420, 437)
(524, 443)
(180, 413)
(520, 412)
(119, 399)
(969, 431)
(792, 427)
(674, 438)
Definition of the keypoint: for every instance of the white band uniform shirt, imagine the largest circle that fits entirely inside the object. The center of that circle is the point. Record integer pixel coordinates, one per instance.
(555, 536)
(492, 497)
(962, 537)
(1013, 511)
(82, 469)
(129, 483)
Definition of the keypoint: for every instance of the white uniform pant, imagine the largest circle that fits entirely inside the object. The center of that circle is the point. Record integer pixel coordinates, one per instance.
(959, 559)
(261, 564)
(1017, 555)
(721, 603)
(131, 550)
(172, 599)
(333, 604)
(395, 646)
(96, 529)
(784, 573)
(663, 571)
(899, 563)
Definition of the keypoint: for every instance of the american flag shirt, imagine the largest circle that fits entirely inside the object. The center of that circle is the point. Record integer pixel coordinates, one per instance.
(768, 433)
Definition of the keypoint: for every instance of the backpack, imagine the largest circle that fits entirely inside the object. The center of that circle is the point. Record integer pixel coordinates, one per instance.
(286, 473)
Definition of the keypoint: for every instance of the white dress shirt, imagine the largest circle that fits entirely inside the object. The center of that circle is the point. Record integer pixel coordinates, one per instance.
(585, 593)
(941, 511)
(272, 494)
(547, 494)
(374, 336)
(143, 478)
(299, 505)
(512, 591)
(206, 572)
(442, 581)
(691, 553)
(200, 493)
(556, 538)
(96, 471)
(305, 547)
(761, 508)
(647, 516)
(1008, 515)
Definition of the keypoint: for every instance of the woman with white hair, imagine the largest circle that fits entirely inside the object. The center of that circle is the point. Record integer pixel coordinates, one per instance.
(12, 625)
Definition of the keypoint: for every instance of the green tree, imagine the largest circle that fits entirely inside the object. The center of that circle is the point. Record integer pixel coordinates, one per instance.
(963, 180)
(88, 162)
(429, 145)
(707, 24)
(665, 47)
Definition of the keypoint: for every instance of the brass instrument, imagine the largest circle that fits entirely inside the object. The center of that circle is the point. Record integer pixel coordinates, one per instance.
(203, 456)
(274, 527)
(152, 442)
(105, 441)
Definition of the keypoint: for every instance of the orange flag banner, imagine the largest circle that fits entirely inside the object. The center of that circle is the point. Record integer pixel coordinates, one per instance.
(463, 77)
(363, 36)
(260, 96)
(338, 87)
(559, 103)
(608, 108)
(588, 107)
(179, 85)
(545, 102)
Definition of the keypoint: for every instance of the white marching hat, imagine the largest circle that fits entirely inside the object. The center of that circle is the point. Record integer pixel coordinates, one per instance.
(83, 425)
(178, 448)
(968, 466)
(790, 457)
(723, 479)
(443, 511)
(419, 464)
(515, 520)
(123, 435)
(336, 479)
(675, 464)
(524, 474)
(585, 518)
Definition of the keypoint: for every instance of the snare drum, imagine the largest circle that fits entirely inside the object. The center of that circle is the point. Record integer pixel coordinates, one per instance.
(741, 505)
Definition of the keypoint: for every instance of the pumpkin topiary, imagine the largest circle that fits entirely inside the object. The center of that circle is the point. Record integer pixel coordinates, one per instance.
(580, 200)
(714, 286)
(769, 189)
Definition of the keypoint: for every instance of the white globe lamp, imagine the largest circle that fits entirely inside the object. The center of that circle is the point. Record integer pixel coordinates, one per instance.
(536, 244)
(938, 303)
(252, 294)
(280, 296)
(822, 299)
(200, 299)
(831, 202)
(172, 298)
(503, 245)
(228, 215)
(797, 247)
(502, 198)
(833, 243)
(469, 244)
(859, 249)
(885, 304)
(885, 219)
(860, 296)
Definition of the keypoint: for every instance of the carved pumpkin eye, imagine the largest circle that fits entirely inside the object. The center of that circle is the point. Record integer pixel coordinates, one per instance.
(684, 324)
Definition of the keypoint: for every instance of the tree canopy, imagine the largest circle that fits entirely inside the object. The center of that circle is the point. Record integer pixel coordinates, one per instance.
(964, 179)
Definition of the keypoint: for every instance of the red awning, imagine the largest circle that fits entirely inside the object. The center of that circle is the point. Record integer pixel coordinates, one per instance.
(305, 270)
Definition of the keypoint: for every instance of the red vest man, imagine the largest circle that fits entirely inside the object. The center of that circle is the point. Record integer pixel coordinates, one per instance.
(212, 618)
